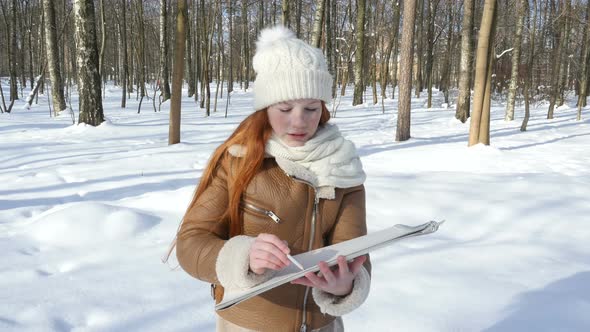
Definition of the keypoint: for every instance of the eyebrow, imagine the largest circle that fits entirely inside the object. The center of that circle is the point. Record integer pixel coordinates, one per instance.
(310, 104)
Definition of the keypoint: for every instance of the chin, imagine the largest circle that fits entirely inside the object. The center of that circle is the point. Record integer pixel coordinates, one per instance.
(295, 144)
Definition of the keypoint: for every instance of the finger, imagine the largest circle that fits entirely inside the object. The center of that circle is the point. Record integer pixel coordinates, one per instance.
(356, 264)
(273, 250)
(267, 256)
(303, 281)
(276, 241)
(327, 272)
(315, 280)
(260, 263)
(343, 265)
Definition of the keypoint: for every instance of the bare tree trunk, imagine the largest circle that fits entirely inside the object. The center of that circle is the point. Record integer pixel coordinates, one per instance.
(405, 81)
(330, 43)
(464, 98)
(359, 85)
(190, 63)
(12, 48)
(230, 79)
(245, 47)
(419, 44)
(432, 6)
(393, 48)
(529, 75)
(164, 85)
(298, 18)
(285, 13)
(102, 42)
(479, 131)
(557, 55)
(89, 84)
(585, 64)
(565, 59)
(141, 52)
(177, 75)
(516, 42)
(123, 53)
(318, 23)
(445, 78)
(57, 89)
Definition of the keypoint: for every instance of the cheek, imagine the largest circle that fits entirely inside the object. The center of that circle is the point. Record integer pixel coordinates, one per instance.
(314, 120)
(277, 122)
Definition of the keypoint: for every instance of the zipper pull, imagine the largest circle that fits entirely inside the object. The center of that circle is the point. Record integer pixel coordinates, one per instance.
(273, 216)
(303, 328)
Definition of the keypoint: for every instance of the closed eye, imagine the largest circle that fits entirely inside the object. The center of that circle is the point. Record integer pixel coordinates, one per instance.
(311, 109)
(285, 110)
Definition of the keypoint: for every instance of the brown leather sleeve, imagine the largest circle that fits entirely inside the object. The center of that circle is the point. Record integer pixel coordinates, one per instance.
(351, 220)
(205, 229)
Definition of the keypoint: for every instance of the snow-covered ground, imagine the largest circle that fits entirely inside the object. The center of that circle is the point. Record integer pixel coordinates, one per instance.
(86, 215)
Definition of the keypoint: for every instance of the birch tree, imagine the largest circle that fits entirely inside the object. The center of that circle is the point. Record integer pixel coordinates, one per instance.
(318, 23)
(360, 54)
(464, 98)
(516, 42)
(89, 89)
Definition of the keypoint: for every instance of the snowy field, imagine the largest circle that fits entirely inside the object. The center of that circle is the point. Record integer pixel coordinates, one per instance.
(86, 215)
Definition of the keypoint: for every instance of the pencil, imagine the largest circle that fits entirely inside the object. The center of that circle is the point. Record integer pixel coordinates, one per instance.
(294, 261)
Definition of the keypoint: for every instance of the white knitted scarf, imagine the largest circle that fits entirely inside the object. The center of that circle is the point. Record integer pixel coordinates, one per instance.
(327, 161)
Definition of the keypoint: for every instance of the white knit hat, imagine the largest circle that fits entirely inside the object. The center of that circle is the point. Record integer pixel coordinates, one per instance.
(288, 68)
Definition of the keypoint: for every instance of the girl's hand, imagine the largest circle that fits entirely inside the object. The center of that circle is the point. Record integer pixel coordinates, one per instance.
(337, 282)
(268, 252)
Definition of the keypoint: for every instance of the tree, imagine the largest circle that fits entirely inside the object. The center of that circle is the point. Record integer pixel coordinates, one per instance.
(464, 98)
(359, 86)
(529, 74)
(285, 13)
(318, 23)
(431, 9)
(516, 42)
(177, 75)
(89, 89)
(585, 64)
(395, 42)
(103, 41)
(556, 56)
(123, 52)
(140, 52)
(57, 89)
(12, 47)
(405, 77)
(164, 85)
(479, 131)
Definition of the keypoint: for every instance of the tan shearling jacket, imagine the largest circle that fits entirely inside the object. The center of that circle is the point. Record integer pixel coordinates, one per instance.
(281, 204)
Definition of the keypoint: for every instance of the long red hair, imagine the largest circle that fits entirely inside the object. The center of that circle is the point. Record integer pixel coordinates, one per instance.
(252, 134)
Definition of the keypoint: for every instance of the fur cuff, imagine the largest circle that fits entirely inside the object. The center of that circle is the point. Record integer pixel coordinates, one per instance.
(233, 265)
(337, 305)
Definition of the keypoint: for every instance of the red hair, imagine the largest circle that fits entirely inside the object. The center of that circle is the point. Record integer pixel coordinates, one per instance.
(252, 134)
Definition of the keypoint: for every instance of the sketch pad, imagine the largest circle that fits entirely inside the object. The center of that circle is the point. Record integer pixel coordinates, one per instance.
(350, 249)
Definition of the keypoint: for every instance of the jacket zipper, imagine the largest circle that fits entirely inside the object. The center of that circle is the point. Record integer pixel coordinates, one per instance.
(316, 202)
(269, 213)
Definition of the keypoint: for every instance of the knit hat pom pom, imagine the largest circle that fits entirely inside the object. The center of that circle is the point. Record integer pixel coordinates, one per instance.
(271, 35)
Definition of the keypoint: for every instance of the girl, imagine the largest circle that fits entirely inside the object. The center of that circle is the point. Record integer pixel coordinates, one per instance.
(285, 182)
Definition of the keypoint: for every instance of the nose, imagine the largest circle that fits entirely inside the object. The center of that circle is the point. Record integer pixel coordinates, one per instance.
(298, 117)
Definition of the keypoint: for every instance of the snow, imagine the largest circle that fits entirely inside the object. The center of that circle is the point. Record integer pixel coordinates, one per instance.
(87, 213)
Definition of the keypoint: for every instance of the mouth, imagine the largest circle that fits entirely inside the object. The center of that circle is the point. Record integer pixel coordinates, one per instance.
(297, 135)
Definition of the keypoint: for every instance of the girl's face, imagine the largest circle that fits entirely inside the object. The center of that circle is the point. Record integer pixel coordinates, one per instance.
(295, 121)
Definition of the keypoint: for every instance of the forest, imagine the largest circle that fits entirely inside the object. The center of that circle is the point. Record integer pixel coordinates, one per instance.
(513, 51)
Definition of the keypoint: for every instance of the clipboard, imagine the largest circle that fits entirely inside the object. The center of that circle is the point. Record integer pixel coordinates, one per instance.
(309, 260)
